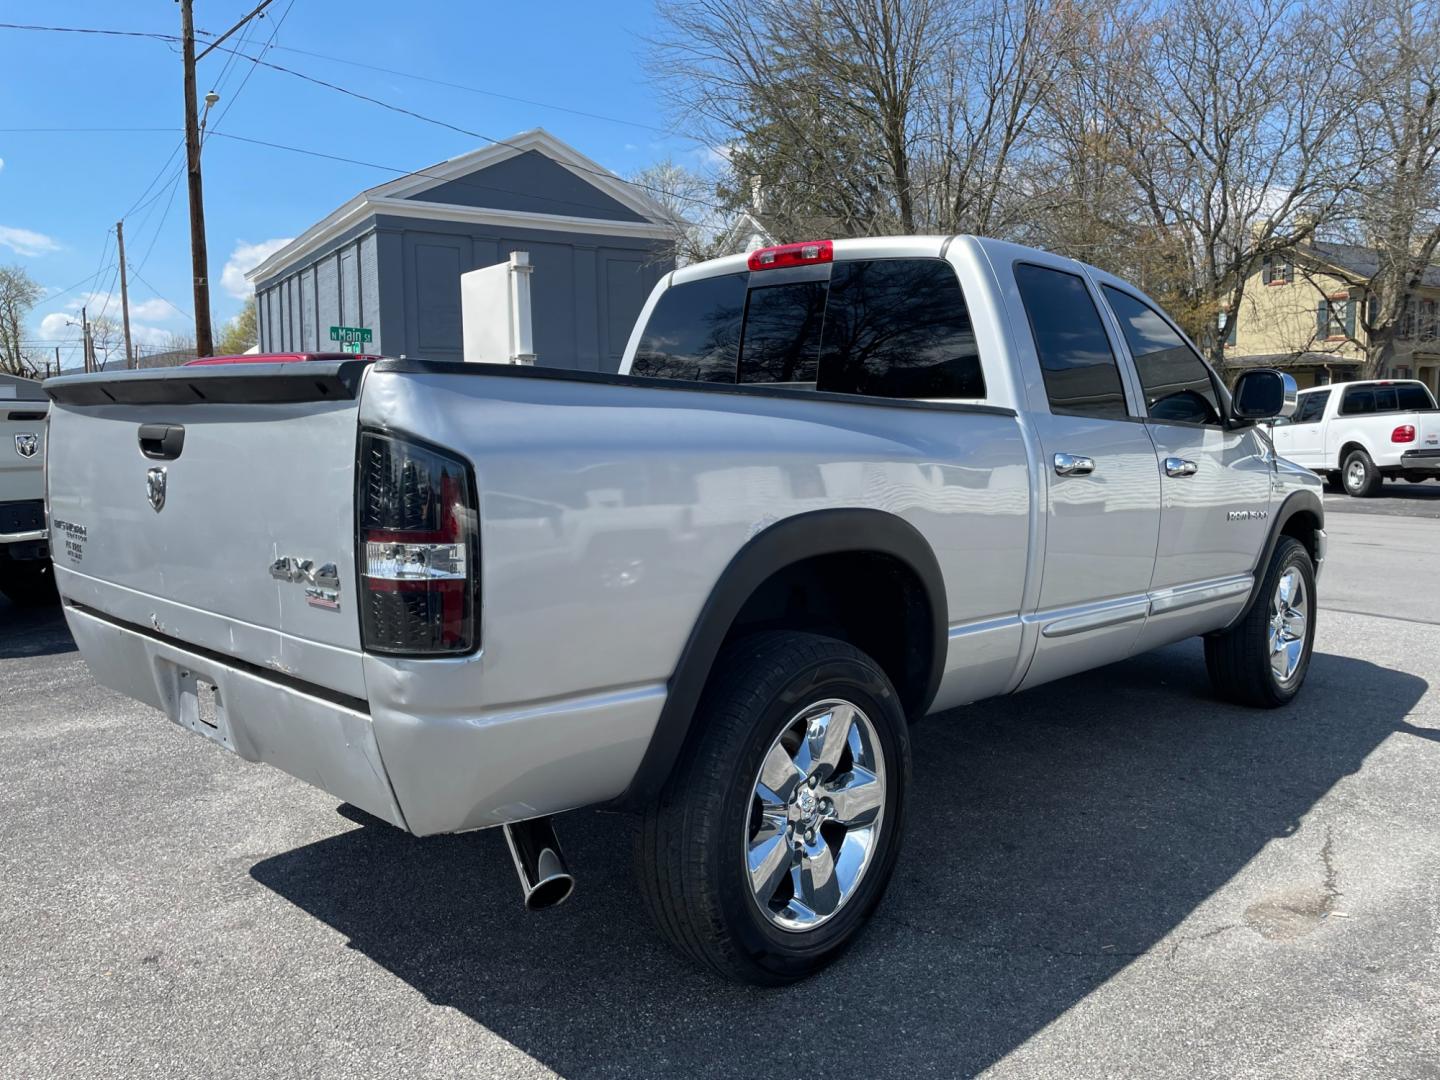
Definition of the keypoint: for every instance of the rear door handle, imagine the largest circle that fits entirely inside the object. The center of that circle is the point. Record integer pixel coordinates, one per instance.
(1073, 465)
(1175, 466)
(162, 442)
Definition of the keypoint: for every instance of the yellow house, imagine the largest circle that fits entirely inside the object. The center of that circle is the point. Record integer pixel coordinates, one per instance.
(1300, 313)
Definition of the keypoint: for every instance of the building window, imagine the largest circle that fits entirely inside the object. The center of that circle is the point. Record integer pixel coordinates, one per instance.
(1427, 320)
(1335, 318)
(1275, 270)
(1407, 319)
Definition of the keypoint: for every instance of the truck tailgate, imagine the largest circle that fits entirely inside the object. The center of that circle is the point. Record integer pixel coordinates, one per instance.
(174, 495)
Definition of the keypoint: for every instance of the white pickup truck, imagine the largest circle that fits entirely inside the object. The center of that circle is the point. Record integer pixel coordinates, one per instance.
(835, 488)
(1363, 433)
(25, 574)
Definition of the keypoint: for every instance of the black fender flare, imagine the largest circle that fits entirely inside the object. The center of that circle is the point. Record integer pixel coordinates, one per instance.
(1297, 502)
(789, 541)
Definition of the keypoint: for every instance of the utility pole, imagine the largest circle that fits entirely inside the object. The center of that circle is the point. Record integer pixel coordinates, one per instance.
(57, 363)
(124, 293)
(85, 339)
(199, 260)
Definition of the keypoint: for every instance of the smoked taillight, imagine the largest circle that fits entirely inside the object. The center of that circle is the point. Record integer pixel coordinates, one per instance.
(1403, 433)
(418, 548)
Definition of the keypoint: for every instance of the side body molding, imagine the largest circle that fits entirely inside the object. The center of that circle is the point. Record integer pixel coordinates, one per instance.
(803, 536)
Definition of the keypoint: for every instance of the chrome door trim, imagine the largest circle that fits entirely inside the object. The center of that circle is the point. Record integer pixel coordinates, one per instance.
(1073, 464)
(1202, 592)
(1175, 466)
(1094, 616)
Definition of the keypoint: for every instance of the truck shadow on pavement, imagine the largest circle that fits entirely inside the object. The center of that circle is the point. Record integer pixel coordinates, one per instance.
(32, 631)
(1055, 836)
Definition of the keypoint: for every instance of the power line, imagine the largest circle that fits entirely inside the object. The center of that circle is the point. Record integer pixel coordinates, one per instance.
(402, 110)
(482, 92)
(158, 296)
(458, 181)
(215, 44)
(390, 106)
(89, 30)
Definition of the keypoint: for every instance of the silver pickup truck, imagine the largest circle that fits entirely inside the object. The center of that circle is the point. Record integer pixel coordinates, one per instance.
(25, 574)
(836, 487)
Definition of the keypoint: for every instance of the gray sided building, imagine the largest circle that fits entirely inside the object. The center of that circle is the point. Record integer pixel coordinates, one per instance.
(390, 259)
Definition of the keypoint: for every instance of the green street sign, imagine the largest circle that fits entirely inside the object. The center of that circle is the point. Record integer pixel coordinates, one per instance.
(352, 346)
(351, 335)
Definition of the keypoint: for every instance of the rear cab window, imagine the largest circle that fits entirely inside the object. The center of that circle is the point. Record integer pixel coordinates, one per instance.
(885, 327)
(1405, 397)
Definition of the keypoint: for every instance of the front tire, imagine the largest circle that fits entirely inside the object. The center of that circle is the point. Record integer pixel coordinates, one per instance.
(1359, 475)
(777, 833)
(1262, 660)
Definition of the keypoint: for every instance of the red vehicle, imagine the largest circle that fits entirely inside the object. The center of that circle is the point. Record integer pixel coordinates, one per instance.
(279, 358)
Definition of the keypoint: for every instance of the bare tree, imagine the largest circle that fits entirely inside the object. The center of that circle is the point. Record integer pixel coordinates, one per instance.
(1394, 212)
(861, 117)
(1235, 121)
(19, 293)
(690, 200)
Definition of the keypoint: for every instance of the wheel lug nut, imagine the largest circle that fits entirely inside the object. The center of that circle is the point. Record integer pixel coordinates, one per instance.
(814, 781)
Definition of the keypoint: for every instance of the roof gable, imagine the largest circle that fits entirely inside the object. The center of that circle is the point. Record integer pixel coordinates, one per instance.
(541, 156)
(529, 183)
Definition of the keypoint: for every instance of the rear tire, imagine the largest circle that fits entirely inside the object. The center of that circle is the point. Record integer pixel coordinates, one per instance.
(1262, 660)
(771, 843)
(30, 583)
(1359, 475)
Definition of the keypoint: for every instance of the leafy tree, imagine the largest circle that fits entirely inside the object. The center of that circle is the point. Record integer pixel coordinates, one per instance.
(241, 332)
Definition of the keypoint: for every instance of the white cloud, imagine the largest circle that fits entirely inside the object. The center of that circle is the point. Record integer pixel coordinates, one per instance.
(247, 257)
(26, 242)
(2, 163)
(54, 327)
(153, 310)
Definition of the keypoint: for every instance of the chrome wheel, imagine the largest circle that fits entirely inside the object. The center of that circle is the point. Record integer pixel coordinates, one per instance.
(1289, 616)
(816, 810)
(1355, 474)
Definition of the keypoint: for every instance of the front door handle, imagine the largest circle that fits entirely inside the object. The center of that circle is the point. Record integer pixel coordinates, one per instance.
(1175, 466)
(1073, 465)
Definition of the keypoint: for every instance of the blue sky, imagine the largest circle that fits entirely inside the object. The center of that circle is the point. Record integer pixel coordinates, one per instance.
(61, 191)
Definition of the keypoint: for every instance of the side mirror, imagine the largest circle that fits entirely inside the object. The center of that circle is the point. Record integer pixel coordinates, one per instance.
(1263, 394)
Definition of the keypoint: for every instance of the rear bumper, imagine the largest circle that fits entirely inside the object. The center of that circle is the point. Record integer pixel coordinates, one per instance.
(418, 754)
(327, 742)
(22, 522)
(1421, 461)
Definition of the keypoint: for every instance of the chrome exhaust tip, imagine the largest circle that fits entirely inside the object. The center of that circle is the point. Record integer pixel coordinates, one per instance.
(544, 878)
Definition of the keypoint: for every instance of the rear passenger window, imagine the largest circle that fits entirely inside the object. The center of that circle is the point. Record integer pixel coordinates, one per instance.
(1414, 398)
(1081, 375)
(781, 343)
(694, 331)
(1312, 407)
(1176, 382)
(1356, 401)
(899, 328)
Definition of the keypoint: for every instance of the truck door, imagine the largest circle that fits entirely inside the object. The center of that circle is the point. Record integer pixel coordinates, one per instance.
(1100, 487)
(1302, 440)
(1215, 480)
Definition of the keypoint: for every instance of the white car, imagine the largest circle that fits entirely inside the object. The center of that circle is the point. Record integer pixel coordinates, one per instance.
(1363, 433)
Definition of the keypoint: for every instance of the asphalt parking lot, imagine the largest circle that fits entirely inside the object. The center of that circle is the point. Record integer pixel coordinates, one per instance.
(1111, 876)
